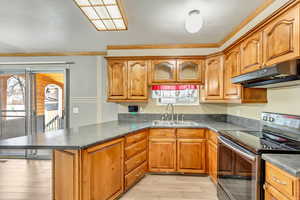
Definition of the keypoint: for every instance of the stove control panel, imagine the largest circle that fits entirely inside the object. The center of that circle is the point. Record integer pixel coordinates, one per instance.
(281, 120)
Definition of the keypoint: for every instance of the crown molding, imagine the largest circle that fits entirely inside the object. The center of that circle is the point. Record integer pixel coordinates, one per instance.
(46, 54)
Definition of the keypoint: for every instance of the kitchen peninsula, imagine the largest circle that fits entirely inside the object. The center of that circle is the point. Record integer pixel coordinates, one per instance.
(102, 161)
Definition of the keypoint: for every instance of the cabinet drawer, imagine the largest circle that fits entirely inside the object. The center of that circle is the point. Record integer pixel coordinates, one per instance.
(135, 161)
(213, 137)
(280, 180)
(272, 194)
(135, 175)
(131, 139)
(162, 133)
(135, 149)
(191, 133)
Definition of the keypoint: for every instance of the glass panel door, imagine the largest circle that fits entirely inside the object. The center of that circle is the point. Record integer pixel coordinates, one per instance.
(33, 100)
(12, 107)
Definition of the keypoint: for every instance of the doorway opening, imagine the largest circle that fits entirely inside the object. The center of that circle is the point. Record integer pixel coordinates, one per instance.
(50, 109)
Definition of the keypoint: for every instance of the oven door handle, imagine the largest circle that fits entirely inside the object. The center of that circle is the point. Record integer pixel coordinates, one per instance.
(238, 149)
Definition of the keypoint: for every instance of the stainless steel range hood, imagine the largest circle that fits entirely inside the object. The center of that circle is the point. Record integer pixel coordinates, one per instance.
(279, 75)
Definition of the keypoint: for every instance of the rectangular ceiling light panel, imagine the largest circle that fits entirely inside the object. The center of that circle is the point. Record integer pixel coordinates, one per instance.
(105, 15)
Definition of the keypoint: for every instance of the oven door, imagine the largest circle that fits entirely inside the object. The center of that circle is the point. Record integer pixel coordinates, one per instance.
(238, 172)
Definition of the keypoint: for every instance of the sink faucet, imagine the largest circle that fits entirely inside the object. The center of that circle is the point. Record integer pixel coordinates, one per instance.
(170, 111)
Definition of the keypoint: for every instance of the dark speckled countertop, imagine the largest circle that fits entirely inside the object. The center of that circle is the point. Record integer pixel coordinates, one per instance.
(287, 162)
(86, 136)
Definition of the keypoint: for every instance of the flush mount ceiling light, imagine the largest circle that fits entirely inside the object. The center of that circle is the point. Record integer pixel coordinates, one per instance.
(194, 21)
(105, 15)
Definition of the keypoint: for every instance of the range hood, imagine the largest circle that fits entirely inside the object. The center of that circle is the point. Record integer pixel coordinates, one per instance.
(279, 75)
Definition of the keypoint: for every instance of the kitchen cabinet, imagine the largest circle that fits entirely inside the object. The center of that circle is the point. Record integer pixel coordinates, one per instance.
(281, 37)
(117, 80)
(163, 71)
(280, 184)
(162, 150)
(182, 70)
(214, 78)
(272, 194)
(137, 80)
(251, 53)
(136, 165)
(236, 93)
(65, 175)
(177, 150)
(212, 153)
(127, 80)
(162, 154)
(191, 150)
(232, 69)
(103, 174)
(190, 70)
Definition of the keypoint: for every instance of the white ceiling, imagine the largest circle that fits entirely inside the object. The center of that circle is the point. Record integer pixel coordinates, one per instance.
(59, 25)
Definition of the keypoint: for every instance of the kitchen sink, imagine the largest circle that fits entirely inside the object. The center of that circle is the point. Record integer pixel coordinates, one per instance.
(173, 123)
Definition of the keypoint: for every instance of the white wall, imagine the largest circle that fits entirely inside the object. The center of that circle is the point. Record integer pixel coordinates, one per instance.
(281, 100)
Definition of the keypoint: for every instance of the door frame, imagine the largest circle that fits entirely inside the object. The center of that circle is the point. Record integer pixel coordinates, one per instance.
(29, 68)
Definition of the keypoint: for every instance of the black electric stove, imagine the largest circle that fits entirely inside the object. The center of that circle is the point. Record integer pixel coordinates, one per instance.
(280, 134)
(240, 167)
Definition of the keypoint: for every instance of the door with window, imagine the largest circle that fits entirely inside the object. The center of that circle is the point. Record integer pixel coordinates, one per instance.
(33, 101)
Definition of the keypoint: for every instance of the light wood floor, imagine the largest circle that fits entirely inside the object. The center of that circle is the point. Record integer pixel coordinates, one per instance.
(31, 180)
(171, 187)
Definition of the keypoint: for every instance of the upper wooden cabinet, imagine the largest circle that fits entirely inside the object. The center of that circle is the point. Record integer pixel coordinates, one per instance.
(214, 78)
(127, 80)
(190, 71)
(281, 37)
(117, 79)
(137, 80)
(232, 69)
(251, 53)
(218, 86)
(163, 71)
(176, 71)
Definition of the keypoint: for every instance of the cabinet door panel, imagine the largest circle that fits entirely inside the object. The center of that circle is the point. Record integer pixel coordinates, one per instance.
(163, 71)
(137, 80)
(214, 78)
(272, 194)
(251, 53)
(189, 71)
(103, 171)
(281, 38)
(232, 69)
(117, 79)
(191, 155)
(212, 161)
(162, 155)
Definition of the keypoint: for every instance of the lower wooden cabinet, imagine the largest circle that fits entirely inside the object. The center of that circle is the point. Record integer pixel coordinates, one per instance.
(103, 175)
(212, 161)
(93, 173)
(272, 194)
(162, 155)
(135, 175)
(105, 171)
(66, 177)
(191, 155)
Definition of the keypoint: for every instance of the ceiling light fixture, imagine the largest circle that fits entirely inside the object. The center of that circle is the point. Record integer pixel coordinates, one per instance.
(105, 15)
(194, 21)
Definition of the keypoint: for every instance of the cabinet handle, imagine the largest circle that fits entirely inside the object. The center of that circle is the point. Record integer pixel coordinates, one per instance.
(279, 181)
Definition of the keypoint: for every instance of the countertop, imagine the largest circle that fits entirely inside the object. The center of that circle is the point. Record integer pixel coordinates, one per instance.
(287, 162)
(86, 136)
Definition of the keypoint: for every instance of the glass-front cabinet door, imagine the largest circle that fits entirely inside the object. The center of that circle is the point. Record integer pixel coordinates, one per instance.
(163, 71)
(190, 71)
